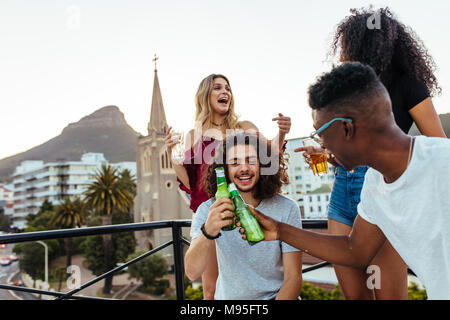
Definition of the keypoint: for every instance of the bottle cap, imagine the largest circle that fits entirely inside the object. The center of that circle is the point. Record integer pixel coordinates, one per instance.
(220, 172)
(233, 190)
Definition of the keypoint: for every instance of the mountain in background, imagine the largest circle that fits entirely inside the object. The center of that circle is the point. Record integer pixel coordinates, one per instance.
(445, 120)
(104, 131)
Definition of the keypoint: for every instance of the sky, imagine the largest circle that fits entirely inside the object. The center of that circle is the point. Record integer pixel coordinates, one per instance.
(62, 60)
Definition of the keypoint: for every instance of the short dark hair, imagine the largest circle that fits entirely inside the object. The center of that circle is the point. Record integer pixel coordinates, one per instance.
(344, 89)
(267, 185)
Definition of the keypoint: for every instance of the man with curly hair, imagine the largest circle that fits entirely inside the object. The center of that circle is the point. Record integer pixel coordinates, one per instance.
(405, 197)
(265, 270)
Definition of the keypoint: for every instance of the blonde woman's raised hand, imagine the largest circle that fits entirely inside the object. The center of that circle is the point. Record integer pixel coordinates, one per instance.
(170, 140)
(284, 123)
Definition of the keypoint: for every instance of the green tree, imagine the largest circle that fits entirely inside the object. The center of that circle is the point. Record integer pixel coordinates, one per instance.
(312, 292)
(415, 293)
(193, 294)
(149, 269)
(69, 214)
(4, 221)
(60, 274)
(32, 260)
(94, 253)
(190, 293)
(123, 244)
(46, 206)
(128, 180)
(39, 222)
(108, 193)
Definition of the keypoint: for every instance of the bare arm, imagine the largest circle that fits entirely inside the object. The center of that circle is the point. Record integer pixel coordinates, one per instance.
(427, 120)
(355, 250)
(199, 252)
(292, 281)
(180, 171)
(284, 126)
(209, 276)
(197, 257)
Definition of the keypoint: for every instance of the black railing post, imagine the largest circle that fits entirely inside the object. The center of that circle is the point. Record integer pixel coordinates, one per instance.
(178, 259)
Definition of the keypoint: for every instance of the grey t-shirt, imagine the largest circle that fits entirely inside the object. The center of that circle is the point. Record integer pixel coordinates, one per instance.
(250, 272)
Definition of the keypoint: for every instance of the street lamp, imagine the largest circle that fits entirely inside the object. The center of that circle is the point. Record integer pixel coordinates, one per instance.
(46, 261)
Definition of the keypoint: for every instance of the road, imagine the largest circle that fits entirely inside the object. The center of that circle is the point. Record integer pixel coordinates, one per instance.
(11, 273)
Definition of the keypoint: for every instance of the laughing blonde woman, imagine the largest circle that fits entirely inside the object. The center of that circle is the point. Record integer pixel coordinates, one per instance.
(214, 116)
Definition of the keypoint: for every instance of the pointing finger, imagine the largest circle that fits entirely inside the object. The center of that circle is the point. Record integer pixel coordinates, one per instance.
(300, 149)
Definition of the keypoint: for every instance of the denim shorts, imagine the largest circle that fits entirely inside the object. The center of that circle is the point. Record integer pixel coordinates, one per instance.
(346, 194)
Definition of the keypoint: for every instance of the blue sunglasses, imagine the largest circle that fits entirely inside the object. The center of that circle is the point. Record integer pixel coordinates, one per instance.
(326, 125)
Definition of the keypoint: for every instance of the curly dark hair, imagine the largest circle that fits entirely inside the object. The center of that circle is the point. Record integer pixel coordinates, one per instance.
(351, 81)
(393, 49)
(267, 185)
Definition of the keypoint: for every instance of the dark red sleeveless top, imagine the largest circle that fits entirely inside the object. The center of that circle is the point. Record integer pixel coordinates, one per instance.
(195, 160)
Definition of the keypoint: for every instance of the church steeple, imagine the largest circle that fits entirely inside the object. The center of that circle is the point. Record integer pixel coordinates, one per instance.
(158, 121)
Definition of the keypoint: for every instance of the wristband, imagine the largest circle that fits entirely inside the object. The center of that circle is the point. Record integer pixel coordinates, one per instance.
(207, 235)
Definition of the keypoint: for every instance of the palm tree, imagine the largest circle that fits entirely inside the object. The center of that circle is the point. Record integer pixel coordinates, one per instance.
(107, 193)
(129, 183)
(129, 180)
(69, 214)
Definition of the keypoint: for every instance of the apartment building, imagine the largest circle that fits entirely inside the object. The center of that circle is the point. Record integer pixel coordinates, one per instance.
(303, 182)
(6, 199)
(315, 203)
(35, 181)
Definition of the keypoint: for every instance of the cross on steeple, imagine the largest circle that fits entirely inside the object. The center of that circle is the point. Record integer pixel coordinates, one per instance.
(158, 121)
(154, 60)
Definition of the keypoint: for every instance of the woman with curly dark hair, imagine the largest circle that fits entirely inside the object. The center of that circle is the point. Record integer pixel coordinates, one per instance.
(376, 38)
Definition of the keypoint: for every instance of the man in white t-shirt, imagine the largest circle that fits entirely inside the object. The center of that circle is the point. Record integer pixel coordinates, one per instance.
(406, 193)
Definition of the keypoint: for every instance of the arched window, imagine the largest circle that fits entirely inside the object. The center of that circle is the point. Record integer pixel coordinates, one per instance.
(167, 159)
(146, 162)
(149, 163)
(166, 163)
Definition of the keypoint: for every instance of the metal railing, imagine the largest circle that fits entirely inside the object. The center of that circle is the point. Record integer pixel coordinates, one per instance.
(177, 242)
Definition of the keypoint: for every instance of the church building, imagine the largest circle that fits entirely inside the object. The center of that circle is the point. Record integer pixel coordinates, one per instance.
(158, 195)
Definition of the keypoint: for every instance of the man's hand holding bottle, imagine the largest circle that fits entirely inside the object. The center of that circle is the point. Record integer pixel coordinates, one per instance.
(221, 209)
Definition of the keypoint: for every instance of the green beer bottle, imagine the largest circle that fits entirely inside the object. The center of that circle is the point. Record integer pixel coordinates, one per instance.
(222, 192)
(246, 218)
